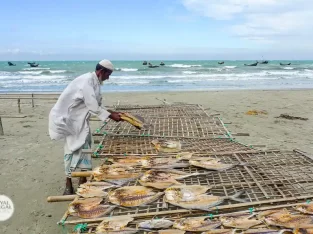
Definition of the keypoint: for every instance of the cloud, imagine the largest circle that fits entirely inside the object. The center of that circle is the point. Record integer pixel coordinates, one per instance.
(260, 20)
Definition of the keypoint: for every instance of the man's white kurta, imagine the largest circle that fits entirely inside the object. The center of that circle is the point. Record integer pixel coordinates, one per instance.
(69, 118)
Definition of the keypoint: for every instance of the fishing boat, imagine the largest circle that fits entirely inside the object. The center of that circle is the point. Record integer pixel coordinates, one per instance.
(11, 64)
(221, 63)
(264, 62)
(252, 64)
(144, 63)
(285, 64)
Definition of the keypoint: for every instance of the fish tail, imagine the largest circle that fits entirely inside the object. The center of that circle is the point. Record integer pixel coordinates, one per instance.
(236, 196)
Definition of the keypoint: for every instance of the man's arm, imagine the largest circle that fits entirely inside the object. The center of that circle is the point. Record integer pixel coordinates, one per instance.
(93, 106)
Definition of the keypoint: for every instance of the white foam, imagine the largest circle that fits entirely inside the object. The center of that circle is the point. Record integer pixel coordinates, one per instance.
(36, 68)
(189, 72)
(288, 68)
(131, 82)
(126, 69)
(183, 81)
(230, 67)
(43, 77)
(29, 72)
(58, 71)
(183, 65)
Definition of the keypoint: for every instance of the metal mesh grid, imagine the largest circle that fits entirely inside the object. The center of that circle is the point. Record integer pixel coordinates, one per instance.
(120, 145)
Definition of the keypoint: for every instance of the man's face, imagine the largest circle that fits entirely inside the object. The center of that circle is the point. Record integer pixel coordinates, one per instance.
(104, 75)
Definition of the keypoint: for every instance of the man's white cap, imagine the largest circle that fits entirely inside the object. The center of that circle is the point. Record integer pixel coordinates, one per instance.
(107, 64)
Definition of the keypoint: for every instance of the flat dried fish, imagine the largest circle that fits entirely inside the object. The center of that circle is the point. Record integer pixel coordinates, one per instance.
(168, 231)
(303, 231)
(99, 185)
(162, 163)
(266, 213)
(128, 161)
(90, 191)
(305, 208)
(202, 201)
(156, 224)
(241, 221)
(196, 224)
(115, 226)
(131, 196)
(288, 220)
(115, 173)
(135, 120)
(185, 192)
(184, 155)
(213, 164)
(164, 178)
(266, 231)
(220, 231)
(89, 208)
(167, 145)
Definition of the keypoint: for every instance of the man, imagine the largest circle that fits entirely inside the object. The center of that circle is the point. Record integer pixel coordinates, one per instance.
(69, 118)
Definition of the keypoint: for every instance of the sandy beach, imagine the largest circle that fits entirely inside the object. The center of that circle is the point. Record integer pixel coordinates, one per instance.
(32, 164)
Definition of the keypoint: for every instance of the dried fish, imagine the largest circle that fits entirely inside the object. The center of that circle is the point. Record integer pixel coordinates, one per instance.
(213, 164)
(131, 196)
(164, 178)
(305, 208)
(156, 224)
(167, 145)
(220, 231)
(89, 208)
(162, 163)
(90, 191)
(196, 224)
(200, 202)
(185, 192)
(241, 221)
(184, 155)
(135, 120)
(303, 231)
(128, 161)
(266, 231)
(288, 220)
(115, 173)
(117, 226)
(168, 231)
(266, 213)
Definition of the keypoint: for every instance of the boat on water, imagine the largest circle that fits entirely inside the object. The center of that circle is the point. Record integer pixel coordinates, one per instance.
(252, 64)
(34, 65)
(11, 64)
(152, 66)
(162, 64)
(144, 63)
(264, 62)
(285, 64)
(221, 63)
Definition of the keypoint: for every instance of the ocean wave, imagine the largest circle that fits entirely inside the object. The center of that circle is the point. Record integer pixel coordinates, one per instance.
(230, 67)
(183, 81)
(126, 69)
(130, 82)
(183, 65)
(189, 72)
(288, 68)
(36, 68)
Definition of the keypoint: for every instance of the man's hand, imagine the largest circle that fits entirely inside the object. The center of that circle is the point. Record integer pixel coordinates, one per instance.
(115, 116)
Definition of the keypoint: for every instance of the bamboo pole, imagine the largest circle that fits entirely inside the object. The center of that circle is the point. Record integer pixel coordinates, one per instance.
(61, 198)
(33, 104)
(81, 173)
(1, 128)
(19, 105)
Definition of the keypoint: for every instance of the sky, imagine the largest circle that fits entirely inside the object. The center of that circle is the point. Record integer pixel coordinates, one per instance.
(158, 29)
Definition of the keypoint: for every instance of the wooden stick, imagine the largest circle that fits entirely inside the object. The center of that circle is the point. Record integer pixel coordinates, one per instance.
(61, 198)
(13, 116)
(33, 104)
(81, 173)
(1, 128)
(19, 105)
(241, 134)
(303, 153)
